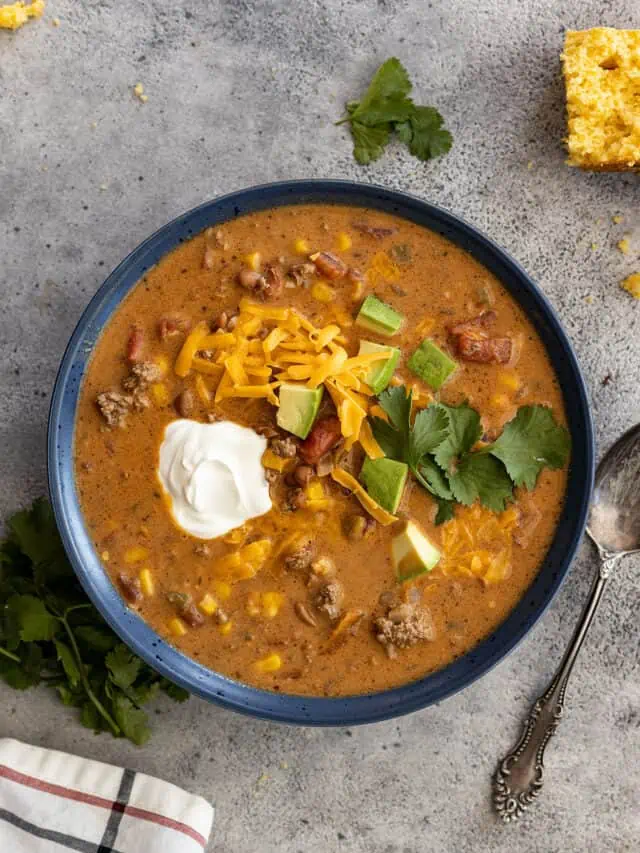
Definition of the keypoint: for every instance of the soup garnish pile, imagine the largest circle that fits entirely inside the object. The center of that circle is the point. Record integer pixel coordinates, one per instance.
(321, 450)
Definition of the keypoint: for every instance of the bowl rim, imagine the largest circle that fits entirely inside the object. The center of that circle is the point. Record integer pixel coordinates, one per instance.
(185, 671)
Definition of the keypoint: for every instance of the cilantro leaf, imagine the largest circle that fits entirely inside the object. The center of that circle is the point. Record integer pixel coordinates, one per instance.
(368, 142)
(430, 429)
(445, 511)
(394, 437)
(123, 666)
(465, 430)
(96, 639)
(481, 477)
(435, 479)
(133, 721)
(68, 661)
(531, 441)
(34, 532)
(424, 134)
(385, 99)
(32, 618)
(50, 631)
(385, 107)
(178, 694)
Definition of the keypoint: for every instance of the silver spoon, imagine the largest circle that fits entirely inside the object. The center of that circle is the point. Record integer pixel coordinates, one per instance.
(614, 527)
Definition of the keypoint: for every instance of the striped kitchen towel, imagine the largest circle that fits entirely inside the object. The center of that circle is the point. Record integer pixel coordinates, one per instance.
(52, 802)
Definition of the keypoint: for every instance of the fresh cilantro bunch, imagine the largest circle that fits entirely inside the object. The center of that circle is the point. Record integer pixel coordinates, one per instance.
(438, 448)
(386, 107)
(51, 634)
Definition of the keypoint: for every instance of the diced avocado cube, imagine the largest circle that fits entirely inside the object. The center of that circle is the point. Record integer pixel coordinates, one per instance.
(381, 371)
(431, 364)
(298, 408)
(412, 553)
(384, 480)
(377, 316)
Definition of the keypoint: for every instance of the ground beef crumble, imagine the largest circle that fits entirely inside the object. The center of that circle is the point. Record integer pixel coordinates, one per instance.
(404, 626)
(114, 407)
(329, 598)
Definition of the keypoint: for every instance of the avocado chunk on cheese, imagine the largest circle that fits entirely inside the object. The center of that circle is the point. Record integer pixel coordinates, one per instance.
(381, 371)
(431, 364)
(298, 408)
(384, 479)
(377, 316)
(412, 553)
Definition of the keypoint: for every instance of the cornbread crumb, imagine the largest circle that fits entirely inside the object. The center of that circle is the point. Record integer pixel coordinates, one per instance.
(15, 15)
(617, 219)
(624, 246)
(589, 299)
(632, 285)
(602, 80)
(594, 247)
(530, 165)
(138, 91)
(56, 22)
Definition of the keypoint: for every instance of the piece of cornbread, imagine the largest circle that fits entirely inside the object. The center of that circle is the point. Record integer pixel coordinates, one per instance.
(602, 79)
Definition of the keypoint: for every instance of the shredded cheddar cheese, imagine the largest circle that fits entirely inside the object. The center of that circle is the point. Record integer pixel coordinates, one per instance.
(479, 543)
(271, 345)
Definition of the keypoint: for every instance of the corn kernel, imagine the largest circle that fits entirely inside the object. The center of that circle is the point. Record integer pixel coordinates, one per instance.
(276, 463)
(105, 556)
(344, 242)
(500, 401)
(617, 219)
(271, 663)
(358, 290)
(322, 292)
(222, 590)
(509, 379)
(208, 605)
(315, 491)
(271, 604)
(225, 628)
(253, 261)
(160, 394)
(143, 530)
(162, 363)
(138, 89)
(253, 604)
(624, 246)
(136, 554)
(632, 285)
(395, 381)
(301, 247)
(146, 583)
(202, 391)
(177, 627)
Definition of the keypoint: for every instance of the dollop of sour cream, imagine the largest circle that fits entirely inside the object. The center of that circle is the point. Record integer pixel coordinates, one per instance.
(212, 475)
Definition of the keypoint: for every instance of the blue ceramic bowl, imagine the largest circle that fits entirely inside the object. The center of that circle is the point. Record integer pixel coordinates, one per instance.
(210, 685)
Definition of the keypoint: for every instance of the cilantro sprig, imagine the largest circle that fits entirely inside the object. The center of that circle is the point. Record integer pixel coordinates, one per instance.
(440, 449)
(51, 634)
(386, 107)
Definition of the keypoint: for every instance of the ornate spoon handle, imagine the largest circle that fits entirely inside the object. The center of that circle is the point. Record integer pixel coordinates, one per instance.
(519, 776)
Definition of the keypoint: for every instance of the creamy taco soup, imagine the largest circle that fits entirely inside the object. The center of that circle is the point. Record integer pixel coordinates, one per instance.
(321, 450)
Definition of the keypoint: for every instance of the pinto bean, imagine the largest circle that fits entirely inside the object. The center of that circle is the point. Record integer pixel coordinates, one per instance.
(135, 344)
(250, 279)
(184, 403)
(329, 265)
(130, 588)
(324, 436)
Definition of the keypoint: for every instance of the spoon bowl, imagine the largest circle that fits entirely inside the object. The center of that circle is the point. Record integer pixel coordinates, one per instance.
(614, 520)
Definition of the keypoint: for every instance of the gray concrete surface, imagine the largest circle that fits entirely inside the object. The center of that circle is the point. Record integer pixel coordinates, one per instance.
(242, 92)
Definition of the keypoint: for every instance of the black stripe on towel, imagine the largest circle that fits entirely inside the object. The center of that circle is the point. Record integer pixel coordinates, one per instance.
(117, 810)
(69, 841)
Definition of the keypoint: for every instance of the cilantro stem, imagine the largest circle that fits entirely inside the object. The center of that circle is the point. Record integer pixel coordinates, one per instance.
(342, 121)
(83, 675)
(9, 655)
